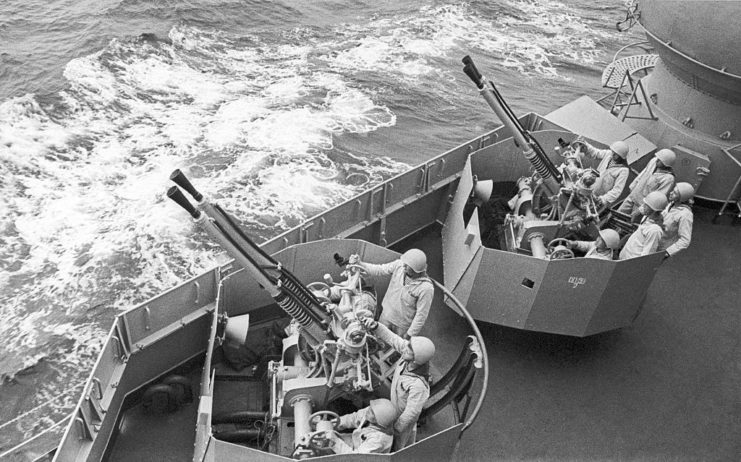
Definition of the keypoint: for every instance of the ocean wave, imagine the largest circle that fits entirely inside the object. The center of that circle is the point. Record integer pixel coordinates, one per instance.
(529, 37)
(88, 230)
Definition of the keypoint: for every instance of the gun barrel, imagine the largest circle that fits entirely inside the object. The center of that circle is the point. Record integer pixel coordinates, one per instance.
(179, 198)
(530, 147)
(216, 233)
(281, 284)
(181, 180)
(225, 223)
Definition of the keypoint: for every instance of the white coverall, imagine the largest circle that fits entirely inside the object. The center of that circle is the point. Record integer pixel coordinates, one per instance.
(366, 438)
(409, 392)
(611, 181)
(407, 300)
(590, 250)
(647, 181)
(678, 220)
(643, 241)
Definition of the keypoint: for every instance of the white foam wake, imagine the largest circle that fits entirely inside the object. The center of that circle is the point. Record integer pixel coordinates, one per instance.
(85, 224)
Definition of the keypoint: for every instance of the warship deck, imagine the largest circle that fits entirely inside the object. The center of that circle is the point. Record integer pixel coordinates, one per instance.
(665, 388)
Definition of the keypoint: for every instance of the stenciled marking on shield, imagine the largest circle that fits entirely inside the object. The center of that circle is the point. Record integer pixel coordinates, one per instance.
(577, 281)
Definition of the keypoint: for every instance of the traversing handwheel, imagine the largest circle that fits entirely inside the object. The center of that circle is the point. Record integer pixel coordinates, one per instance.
(319, 442)
(320, 416)
(320, 286)
(560, 253)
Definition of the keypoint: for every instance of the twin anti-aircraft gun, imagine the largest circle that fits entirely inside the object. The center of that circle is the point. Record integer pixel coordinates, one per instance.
(327, 351)
(328, 357)
(527, 278)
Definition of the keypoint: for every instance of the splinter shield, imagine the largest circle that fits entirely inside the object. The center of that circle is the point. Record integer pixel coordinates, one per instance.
(440, 446)
(577, 297)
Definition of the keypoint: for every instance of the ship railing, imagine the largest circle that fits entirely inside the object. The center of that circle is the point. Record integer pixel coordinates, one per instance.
(135, 333)
(472, 357)
(643, 45)
(45, 441)
(627, 60)
(364, 216)
(623, 76)
(735, 186)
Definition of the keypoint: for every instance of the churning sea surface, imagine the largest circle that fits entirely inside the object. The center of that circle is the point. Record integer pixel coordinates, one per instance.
(275, 109)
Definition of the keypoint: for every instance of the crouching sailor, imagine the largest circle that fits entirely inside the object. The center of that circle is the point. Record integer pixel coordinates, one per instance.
(602, 247)
(410, 387)
(374, 429)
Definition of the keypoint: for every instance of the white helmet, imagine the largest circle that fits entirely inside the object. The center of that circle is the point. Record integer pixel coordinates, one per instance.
(666, 156)
(423, 349)
(415, 259)
(685, 191)
(384, 411)
(610, 237)
(656, 201)
(620, 148)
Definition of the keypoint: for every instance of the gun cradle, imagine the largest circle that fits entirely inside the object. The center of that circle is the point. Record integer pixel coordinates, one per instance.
(308, 380)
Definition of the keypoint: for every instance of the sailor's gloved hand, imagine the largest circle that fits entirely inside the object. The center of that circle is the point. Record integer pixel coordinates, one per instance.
(370, 324)
(569, 244)
(354, 263)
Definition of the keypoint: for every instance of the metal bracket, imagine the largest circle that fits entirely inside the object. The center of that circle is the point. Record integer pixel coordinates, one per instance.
(422, 185)
(84, 432)
(382, 232)
(96, 381)
(120, 353)
(475, 347)
(483, 140)
(304, 232)
(445, 205)
(385, 197)
(428, 174)
(198, 291)
(634, 87)
(95, 404)
(729, 199)
(320, 232)
(371, 205)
